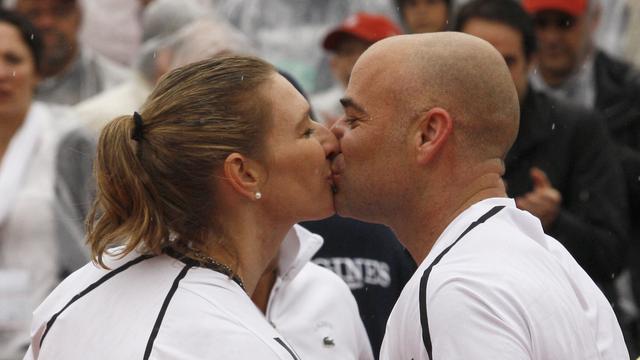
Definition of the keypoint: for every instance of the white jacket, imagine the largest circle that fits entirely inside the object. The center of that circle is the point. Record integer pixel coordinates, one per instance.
(312, 307)
(28, 248)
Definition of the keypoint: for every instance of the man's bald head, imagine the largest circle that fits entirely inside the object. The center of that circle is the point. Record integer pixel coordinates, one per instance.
(459, 73)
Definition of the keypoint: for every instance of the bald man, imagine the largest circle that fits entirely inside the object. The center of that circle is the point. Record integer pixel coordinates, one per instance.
(428, 121)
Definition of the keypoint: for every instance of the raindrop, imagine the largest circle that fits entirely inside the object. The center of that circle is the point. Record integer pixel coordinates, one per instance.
(553, 126)
(13, 73)
(446, 22)
(242, 77)
(33, 36)
(155, 54)
(535, 71)
(638, 178)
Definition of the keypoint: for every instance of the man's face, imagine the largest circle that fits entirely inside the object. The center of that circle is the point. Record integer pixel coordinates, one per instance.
(59, 22)
(563, 41)
(509, 42)
(370, 176)
(345, 56)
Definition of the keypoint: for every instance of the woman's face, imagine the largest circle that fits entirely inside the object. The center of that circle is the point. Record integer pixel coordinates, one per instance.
(18, 76)
(298, 183)
(423, 16)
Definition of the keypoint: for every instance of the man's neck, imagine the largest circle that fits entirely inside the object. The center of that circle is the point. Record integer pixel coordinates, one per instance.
(255, 242)
(419, 230)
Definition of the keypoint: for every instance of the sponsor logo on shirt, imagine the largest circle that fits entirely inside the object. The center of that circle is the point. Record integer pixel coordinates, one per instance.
(358, 272)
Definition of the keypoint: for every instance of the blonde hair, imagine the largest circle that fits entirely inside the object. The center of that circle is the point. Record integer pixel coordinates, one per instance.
(157, 191)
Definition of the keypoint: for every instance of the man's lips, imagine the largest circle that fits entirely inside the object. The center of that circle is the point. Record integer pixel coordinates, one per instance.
(337, 165)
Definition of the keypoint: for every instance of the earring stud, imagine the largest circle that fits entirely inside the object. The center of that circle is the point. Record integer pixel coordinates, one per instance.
(258, 195)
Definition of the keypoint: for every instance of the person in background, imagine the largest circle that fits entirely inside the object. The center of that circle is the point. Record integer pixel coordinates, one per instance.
(200, 188)
(553, 170)
(571, 67)
(424, 16)
(29, 134)
(345, 43)
(70, 72)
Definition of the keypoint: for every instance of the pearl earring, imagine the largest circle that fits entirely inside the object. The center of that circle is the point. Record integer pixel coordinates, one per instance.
(258, 195)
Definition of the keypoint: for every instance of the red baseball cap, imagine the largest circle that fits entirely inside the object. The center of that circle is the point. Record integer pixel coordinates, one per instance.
(364, 26)
(571, 7)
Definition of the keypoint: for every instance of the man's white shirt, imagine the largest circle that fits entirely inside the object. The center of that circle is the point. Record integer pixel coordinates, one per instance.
(505, 290)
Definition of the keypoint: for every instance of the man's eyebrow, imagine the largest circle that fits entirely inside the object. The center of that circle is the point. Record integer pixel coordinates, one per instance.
(349, 103)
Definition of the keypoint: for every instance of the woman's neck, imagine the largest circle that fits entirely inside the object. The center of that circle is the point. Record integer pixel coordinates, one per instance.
(251, 244)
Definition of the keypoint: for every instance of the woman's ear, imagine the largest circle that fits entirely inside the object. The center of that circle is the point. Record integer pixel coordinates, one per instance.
(243, 174)
(432, 132)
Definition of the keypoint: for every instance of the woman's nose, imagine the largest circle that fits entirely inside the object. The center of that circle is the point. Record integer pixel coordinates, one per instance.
(329, 141)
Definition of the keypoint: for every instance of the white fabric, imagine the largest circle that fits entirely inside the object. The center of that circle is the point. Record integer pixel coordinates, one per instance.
(28, 251)
(123, 99)
(505, 291)
(312, 307)
(208, 317)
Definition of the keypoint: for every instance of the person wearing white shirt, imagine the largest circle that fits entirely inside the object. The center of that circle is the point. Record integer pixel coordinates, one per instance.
(29, 134)
(70, 72)
(429, 164)
(198, 190)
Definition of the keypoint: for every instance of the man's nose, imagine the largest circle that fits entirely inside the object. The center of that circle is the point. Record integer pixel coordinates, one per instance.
(338, 128)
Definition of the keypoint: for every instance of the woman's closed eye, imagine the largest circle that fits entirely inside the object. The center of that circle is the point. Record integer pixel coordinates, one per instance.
(309, 132)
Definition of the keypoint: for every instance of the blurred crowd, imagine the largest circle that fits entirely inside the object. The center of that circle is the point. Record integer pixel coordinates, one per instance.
(67, 67)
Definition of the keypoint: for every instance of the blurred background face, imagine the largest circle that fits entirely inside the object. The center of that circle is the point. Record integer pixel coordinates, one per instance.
(423, 16)
(345, 56)
(563, 41)
(509, 42)
(18, 76)
(59, 23)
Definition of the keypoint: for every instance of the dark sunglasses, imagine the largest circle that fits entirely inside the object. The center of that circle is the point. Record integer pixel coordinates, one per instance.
(559, 21)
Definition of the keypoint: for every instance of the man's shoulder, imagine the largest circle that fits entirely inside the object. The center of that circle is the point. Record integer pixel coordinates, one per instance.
(613, 72)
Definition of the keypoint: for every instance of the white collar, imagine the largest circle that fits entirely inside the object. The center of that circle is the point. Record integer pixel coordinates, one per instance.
(460, 223)
(296, 250)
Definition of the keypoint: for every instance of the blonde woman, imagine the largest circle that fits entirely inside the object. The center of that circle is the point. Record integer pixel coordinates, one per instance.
(195, 195)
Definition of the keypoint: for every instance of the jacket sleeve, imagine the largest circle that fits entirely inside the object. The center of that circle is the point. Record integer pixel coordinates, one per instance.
(593, 222)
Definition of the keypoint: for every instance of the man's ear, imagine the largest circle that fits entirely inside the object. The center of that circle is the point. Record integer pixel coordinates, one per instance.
(243, 174)
(433, 130)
